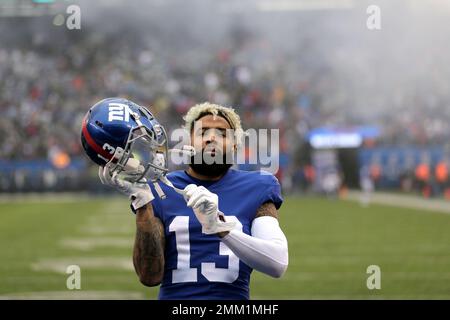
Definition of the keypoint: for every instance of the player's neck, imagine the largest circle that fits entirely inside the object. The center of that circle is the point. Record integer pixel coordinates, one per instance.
(199, 176)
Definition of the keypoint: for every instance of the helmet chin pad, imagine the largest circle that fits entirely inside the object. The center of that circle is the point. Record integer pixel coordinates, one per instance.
(134, 165)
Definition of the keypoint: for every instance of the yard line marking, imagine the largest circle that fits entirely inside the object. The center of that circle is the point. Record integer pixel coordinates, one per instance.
(403, 201)
(93, 243)
(102, 230)
(348, 275)
(103, 263)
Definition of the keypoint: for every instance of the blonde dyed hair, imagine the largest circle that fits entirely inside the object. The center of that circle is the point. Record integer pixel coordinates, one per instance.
(206, 108)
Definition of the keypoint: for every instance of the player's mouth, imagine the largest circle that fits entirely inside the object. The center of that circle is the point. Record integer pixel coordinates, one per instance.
(210, 150)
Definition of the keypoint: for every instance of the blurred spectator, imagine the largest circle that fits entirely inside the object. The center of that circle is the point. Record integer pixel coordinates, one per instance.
(441, 172)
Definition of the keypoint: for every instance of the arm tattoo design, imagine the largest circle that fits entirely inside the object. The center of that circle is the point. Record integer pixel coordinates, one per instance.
(267, 209)
(148, 256)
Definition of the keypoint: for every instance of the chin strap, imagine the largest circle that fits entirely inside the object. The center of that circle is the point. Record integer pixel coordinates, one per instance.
(186, 150)
(168, 183)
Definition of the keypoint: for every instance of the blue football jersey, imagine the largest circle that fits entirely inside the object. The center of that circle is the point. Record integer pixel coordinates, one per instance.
(200, 266)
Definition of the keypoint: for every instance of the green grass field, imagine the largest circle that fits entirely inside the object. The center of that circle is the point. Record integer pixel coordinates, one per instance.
(331, 244)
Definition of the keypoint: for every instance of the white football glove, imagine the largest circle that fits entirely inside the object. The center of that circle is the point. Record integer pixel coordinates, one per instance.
(206, 208)
(139, 192)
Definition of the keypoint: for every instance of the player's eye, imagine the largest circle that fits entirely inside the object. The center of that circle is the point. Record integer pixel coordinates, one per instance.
(199, 132)
(206, 132)
(216, 132)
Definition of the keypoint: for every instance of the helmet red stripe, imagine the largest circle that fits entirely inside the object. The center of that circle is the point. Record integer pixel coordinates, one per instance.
(92, 143)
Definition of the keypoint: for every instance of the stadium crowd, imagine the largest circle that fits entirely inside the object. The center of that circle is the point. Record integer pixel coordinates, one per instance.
(45, 90)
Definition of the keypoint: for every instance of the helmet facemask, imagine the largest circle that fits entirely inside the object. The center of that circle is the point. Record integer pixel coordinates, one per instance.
(144, 155)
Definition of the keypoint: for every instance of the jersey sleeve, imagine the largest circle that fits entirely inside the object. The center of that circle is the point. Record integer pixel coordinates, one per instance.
(272, 191)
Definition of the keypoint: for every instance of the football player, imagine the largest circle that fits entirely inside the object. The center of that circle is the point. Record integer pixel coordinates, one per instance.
(205, 242)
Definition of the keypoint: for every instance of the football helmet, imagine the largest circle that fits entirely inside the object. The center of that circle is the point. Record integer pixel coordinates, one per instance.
(128, 137)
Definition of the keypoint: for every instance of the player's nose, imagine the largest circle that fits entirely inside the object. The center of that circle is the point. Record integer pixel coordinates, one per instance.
(210, 137)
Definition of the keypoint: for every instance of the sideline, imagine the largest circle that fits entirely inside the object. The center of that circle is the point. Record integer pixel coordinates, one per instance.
(404, 201)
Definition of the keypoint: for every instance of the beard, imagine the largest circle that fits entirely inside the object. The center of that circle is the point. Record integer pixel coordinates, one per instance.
(218, 167)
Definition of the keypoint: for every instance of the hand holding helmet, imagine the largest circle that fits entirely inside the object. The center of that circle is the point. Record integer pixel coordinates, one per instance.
(138, 192)
(130, 146)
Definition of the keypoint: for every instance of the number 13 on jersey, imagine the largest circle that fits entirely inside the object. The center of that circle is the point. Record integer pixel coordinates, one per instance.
(184, 273)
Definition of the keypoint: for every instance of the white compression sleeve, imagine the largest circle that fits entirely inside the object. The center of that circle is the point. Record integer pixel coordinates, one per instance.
(266, 250)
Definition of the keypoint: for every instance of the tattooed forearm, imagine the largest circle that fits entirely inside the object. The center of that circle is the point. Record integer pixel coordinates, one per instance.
(148, 255)
(267, 209)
